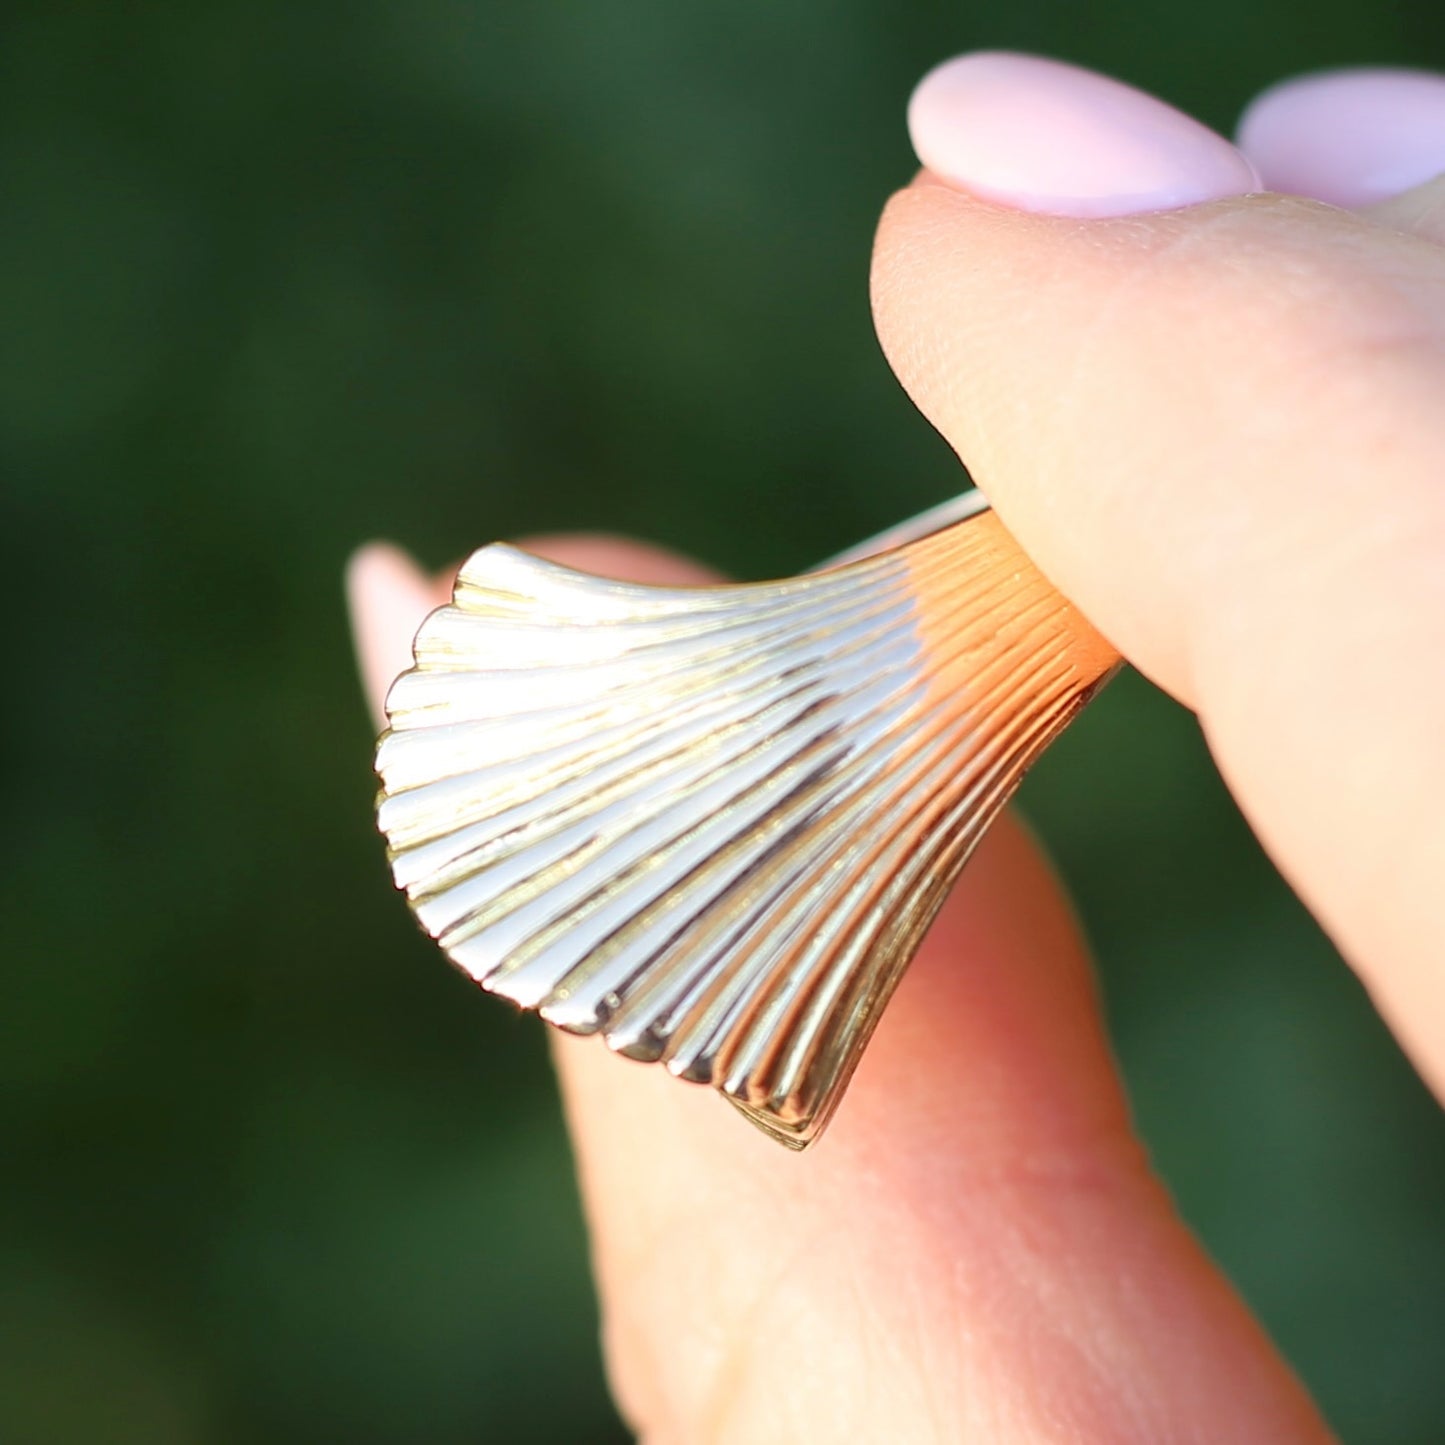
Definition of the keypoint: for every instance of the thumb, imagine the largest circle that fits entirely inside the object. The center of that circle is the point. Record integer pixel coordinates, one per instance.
(1218, 430)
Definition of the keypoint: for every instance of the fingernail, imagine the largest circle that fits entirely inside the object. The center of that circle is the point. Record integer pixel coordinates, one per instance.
(388, 596)
(1349, 137)
(1044, 136)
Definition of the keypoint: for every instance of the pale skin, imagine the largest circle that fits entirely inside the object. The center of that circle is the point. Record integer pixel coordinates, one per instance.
(1221, 432)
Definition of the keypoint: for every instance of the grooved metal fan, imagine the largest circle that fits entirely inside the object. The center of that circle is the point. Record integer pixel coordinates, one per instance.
(712, 824)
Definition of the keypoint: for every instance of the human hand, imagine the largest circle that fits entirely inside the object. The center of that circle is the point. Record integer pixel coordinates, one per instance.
(1220, 430)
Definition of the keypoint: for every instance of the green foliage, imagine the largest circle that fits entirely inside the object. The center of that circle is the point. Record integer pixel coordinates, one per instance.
(277, 278)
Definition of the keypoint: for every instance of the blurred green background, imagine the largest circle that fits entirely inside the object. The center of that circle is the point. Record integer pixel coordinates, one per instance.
(279, 278)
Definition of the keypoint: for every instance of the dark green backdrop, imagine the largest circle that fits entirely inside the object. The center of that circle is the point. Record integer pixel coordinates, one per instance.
(276, 278)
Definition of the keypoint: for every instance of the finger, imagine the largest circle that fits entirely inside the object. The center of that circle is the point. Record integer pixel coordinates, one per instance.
(1352, 137)
(388, 596)
(1420, 211)
(1219, 431)
(976, 1250)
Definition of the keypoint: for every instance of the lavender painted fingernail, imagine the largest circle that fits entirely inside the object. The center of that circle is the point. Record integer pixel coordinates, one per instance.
(1044, 136)
(1349, 137)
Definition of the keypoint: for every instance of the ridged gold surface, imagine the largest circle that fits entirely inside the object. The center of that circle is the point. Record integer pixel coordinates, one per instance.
(712, 824)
